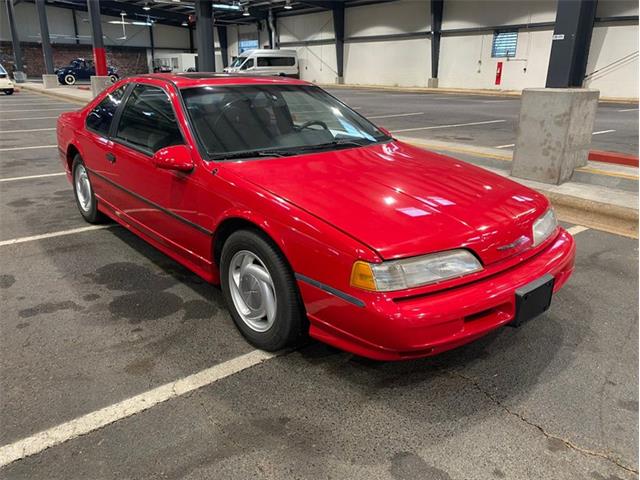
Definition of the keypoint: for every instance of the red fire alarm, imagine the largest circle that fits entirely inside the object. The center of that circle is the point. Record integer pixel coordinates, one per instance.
(498, 73)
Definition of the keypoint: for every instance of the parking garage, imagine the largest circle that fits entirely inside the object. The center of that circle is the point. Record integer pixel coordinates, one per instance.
(120, 362)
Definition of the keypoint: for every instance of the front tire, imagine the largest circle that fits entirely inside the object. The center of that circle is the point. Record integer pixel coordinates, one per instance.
(69, 79)
(260, 292)
(83, 192)
(8, 92)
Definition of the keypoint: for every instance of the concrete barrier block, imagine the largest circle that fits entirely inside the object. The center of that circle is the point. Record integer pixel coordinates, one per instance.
(98, 84)
(50, 81)
(554, 133)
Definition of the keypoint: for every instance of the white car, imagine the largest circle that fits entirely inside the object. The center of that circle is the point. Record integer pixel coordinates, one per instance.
(6, 85)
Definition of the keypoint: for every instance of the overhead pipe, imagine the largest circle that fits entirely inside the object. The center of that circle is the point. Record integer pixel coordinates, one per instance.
(273, 40)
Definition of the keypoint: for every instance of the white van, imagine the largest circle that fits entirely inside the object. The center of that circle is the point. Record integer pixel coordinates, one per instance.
(266, 62)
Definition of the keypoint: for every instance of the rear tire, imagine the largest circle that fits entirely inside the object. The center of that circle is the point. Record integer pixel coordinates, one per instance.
(113, 78)
(83, 192)
(260, 291)
(8, 92)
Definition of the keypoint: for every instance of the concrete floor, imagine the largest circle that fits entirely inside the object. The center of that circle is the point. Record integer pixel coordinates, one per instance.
(618, 124)
(93, 318)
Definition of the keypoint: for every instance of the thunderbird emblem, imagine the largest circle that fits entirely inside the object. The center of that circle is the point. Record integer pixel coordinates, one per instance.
(510, 246)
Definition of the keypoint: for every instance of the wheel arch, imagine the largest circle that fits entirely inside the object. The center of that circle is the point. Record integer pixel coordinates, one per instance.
(72, 151)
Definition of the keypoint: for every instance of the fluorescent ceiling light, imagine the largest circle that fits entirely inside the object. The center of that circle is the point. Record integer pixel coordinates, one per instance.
(226, 6)
(142, 24)
(246, 13)
(287, 5)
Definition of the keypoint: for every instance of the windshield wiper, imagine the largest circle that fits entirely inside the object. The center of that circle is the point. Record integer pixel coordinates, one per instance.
(286, 151)
(245, 154)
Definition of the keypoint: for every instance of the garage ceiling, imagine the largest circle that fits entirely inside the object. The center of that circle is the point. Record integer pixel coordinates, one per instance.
(178, 12)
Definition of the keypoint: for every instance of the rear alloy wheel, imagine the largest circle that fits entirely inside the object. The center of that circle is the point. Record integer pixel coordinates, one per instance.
(69, 79)
(83, 191)
(260, 291)
(8, 92)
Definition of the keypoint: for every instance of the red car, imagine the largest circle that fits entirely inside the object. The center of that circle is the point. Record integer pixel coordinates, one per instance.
(313, 220)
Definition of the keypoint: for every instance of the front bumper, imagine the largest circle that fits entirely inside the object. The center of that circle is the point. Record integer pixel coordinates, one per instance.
(420, 326)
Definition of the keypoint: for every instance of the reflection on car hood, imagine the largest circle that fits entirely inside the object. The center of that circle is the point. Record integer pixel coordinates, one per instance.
(403, 201)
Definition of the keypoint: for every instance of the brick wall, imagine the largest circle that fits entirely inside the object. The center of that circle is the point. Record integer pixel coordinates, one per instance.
(128, 60)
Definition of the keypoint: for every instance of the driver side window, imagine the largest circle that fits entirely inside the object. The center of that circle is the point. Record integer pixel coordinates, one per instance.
(248, 64)
(147, 121)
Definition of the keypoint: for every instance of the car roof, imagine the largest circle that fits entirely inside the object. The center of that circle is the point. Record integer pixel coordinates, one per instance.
(186, 80)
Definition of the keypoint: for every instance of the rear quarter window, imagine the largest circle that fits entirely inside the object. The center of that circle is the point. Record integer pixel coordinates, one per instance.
(100, 118)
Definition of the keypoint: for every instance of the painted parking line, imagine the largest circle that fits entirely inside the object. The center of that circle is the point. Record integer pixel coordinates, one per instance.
(28, 130)
(434, 127)
(25, 118)
(31, 177)
(602, 131)
(60, 233)
(397, 115)
(12, 149)
(576, 229)
(131, 406)
(509, 145)
(628, 110)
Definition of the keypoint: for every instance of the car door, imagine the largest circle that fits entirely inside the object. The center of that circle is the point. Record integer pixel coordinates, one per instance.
(96, 146)
(165, 204)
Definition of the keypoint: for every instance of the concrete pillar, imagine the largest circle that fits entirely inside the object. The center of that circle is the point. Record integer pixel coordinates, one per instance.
(44, 37)
(18, 75)
(554, 133)
(437, 8)
(204, 37)
(99, 54)
(50, 81)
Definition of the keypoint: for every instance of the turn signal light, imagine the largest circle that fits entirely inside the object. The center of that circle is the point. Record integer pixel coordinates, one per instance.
(362, 276)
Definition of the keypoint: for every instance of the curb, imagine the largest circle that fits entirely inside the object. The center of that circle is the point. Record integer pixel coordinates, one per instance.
(65, 96)
(613, 157)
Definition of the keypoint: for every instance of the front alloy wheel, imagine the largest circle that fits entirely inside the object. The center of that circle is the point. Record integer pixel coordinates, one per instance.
(260, 291)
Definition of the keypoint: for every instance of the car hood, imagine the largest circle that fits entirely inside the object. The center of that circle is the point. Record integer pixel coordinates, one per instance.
(403, 201)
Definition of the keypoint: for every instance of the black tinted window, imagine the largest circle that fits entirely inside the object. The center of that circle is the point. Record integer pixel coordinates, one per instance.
(276, 61)
(99, 119)
(148, 121)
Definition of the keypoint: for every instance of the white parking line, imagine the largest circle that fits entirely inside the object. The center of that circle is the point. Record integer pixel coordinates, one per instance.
(27, 148)
(26, 118)
(397, 115)
(434, 127)
(509, 145)
(60, 233)
(602, 131)
(29, 130)
(36, 110)
(576, 229)
(628, 110)
(131, 406)
(30, 177)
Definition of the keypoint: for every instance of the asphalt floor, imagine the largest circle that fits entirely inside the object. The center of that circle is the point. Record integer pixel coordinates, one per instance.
(93, 318)
(477, 120)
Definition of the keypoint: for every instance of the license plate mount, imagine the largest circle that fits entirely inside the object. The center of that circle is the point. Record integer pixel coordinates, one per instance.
(533, 299)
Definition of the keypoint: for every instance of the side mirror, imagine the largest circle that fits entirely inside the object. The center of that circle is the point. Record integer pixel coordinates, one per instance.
(176, 157)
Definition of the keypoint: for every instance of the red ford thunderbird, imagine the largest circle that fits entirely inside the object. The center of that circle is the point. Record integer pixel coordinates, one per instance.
(313, 220)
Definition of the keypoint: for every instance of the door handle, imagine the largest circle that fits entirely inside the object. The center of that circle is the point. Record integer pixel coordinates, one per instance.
(111, 157)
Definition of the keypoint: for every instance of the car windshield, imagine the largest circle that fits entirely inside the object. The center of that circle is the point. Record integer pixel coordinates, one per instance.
(244, 121)
(2, 70)
(237, 62)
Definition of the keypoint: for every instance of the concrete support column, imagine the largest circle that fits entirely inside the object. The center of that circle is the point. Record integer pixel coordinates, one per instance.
(204, 37)
(100, 80)
(338, 28)
(571, 42)
(44, 37)
(224, 45)
(18, 75)
(437, 8)
(554, 133)
(153, 47)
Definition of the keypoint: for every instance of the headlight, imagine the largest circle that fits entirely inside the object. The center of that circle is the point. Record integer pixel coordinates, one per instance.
(544, 226)
(413, 272)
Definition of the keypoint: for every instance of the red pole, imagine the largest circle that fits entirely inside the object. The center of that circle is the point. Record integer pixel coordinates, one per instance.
(99, 55)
